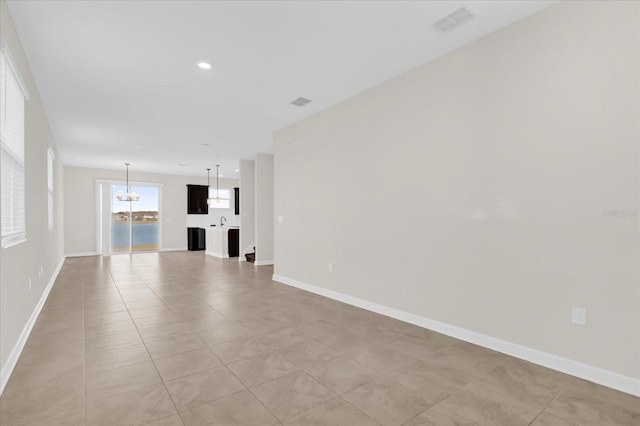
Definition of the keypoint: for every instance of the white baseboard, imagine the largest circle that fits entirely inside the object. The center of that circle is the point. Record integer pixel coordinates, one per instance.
(94, 253)
(591, 373)
(262, 262)
(216, 254)
(88, 253)
(12, 360)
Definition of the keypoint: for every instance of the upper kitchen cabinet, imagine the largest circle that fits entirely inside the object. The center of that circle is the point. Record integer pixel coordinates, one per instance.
(236, 198)
(197, 199)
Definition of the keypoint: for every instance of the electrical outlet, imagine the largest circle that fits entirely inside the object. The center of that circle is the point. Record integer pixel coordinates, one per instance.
(330, 267)
(280, 219)
(29, 284)
(41, 272)
(579, 316)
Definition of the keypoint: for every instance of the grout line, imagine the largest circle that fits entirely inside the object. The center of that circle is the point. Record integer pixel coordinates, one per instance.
(152, 359)
(564, 388)
(144, 343)
(135, 269)
(365, 414)
(543, 410)
(251, 392)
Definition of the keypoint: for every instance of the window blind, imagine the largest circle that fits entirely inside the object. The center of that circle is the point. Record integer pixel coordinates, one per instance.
(12, 158)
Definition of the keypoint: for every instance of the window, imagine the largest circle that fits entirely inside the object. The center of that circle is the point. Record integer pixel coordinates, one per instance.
(223, 203)
(50, 158)
(12, 159)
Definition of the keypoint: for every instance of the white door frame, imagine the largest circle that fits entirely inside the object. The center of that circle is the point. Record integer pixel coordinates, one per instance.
(103, 215)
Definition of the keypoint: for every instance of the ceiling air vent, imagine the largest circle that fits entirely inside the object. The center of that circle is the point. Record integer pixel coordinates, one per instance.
(453, 20)
(301, 102)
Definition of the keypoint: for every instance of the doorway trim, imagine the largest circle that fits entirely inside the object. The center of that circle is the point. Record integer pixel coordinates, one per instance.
(102, 197)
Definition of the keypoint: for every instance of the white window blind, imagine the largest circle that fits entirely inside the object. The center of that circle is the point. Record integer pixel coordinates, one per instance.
(50, 157)
(223, 203)
(12, 158)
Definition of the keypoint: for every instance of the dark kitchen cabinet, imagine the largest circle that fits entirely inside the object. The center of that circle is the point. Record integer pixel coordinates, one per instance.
(236, 199)
(196, 239)
(234, 242)
(197, 199)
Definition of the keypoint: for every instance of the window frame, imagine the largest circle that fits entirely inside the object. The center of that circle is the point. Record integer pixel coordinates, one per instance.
(212, 195)
(18, 226)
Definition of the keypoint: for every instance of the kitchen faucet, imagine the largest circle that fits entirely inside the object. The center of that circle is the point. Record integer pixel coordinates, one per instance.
(222, 217)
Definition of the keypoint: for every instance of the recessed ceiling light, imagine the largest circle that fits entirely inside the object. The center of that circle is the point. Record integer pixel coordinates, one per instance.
(220, 175)
(204, 65)
(237, 170)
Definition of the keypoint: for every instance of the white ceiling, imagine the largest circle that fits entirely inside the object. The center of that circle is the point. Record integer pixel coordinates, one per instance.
(119, 80)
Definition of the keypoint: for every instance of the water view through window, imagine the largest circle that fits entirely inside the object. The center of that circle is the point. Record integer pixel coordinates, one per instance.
(137, 230)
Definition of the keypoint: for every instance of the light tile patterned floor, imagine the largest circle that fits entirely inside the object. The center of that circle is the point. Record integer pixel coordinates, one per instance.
(185, 339)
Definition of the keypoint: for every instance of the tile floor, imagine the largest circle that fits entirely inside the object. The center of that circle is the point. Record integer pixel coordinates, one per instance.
(185, 339)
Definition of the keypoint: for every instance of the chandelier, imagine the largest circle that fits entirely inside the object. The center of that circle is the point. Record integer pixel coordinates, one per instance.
(131, 196)
(217, 198)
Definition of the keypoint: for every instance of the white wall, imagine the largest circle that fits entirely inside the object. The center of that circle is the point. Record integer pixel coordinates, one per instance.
(502, 156)
(264, 209)
(247, 207)
(43, 248)
(80, 209)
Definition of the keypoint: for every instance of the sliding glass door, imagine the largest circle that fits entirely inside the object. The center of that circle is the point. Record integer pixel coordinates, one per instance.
(128, 226)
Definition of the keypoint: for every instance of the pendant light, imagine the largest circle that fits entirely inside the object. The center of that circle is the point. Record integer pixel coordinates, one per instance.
(131, 196)
(209, 199)
(217, 199)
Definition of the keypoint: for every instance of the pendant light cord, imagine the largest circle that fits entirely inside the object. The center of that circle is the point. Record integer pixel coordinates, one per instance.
(217, 178)
(128, 187)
